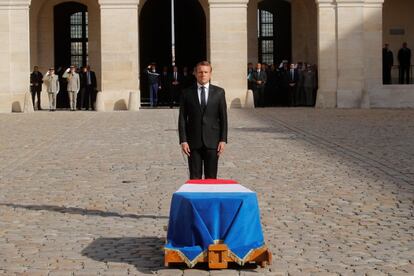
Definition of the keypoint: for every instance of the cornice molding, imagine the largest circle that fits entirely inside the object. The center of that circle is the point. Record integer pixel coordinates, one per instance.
(228, 3)
(14, 4)
(119, 4)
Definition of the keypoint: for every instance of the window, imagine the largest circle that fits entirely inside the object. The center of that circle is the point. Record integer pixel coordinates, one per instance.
(79, 39)
(266, 36)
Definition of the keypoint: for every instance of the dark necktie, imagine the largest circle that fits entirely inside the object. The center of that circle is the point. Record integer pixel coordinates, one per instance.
(203, 98)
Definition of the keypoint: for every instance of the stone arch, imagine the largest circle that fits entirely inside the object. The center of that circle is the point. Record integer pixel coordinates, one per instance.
(42, 35)
(303, 30)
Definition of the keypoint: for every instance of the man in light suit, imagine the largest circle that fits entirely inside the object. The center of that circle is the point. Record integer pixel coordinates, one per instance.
(52, 82)
(73, 85)
(202, 124)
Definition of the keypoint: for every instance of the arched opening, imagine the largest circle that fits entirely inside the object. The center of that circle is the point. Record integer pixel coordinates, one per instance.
(278, 31)
(274, 31)
(398, 26)
(155, 37)
(71, 41)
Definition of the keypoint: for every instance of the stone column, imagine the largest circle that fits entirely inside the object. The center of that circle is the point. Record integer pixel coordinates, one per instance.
(373, 45)
(119, 51)
(14, 54)
(228, 48)
(327, 54)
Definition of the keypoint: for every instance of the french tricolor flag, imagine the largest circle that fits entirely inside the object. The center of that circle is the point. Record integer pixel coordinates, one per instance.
(212, 186)
(212, 211)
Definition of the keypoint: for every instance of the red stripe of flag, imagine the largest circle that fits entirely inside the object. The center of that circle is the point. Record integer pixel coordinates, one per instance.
(211, 181)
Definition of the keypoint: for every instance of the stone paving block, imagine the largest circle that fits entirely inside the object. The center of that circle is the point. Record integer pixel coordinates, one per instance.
(226, 272)
(90, 192)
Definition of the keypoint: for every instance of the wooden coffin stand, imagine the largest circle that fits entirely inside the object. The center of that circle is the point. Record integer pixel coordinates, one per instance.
(219, 256)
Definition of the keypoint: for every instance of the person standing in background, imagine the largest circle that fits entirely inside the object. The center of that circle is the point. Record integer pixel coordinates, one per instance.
(259, 83)
(404, 58)
(90, 88)
(293, 81)
(175, 91)
(73, 86)
(52, 82)
(154, 84)
(36, 81)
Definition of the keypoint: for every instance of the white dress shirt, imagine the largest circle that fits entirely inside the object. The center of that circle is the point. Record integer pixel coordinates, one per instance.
(207, 85)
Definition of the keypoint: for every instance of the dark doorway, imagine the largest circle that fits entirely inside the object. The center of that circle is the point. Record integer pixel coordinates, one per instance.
(155, 36)
(275, 36)
(71, 42)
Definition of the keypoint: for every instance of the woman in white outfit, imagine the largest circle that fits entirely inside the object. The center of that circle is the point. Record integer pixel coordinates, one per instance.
(52, 82)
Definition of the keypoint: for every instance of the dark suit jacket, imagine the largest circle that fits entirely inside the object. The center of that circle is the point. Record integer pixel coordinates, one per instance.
(262, 76)
(199, 128)
(387, 58)
(36, 79)
(404, 57)
(84, 79)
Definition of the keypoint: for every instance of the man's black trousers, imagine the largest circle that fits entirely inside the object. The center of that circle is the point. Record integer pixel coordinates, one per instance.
(203, 157)
(34, 93)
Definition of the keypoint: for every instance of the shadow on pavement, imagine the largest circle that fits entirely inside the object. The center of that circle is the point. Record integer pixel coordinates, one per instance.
(79, 211)
(145, 253)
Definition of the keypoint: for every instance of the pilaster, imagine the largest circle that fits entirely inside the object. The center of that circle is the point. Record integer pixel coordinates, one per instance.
(228, 48)
(14, 54)
(119, 51)
(373, 45)
(327, 54)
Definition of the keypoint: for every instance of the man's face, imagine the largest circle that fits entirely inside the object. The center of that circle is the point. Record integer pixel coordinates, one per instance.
(175, 69)
(203, 74)
(36, 69)
(404, 45)
(72, 69)
(386, 46)
(292, 66)
(258, 66)
(52, 72)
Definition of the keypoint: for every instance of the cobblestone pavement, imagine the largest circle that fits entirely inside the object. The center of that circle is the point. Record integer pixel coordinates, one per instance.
(88, 193)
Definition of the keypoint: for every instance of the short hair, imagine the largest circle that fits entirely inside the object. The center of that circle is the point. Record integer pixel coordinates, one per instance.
(204, 63)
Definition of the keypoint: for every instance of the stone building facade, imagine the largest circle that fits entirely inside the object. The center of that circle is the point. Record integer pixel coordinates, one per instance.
(343, 37)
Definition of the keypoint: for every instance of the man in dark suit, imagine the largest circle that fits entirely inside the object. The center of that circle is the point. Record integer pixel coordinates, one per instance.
(164, 93)
(293, 85)
(175, 84)
(387, 64)
(259, 83)
(89, 79)
(202, 124)
(36, 81)
(404, 58)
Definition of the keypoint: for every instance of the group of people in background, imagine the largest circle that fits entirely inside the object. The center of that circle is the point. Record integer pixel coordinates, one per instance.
(165, 87)
(285, 85)
(404, 62)
(81, 86)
